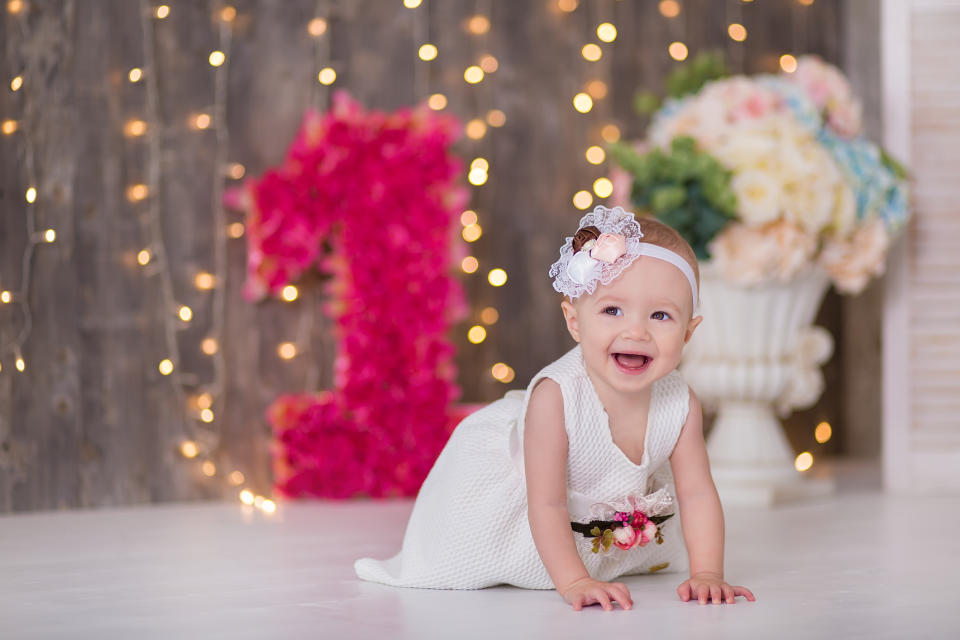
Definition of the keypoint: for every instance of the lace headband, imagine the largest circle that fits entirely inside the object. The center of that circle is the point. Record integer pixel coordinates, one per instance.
(606, 243)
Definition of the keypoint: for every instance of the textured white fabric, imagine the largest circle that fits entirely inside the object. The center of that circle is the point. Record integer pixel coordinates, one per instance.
(469, 528)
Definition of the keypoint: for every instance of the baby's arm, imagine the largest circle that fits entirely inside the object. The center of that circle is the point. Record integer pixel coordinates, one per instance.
(701, 515)
(545, 462)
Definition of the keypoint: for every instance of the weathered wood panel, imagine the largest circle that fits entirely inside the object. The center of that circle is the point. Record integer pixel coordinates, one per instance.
(91, 422)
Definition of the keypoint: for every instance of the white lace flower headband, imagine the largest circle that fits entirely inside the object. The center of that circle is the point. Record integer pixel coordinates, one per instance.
(606, 243)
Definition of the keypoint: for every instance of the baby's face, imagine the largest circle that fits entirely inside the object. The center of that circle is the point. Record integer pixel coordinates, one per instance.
(632, 331)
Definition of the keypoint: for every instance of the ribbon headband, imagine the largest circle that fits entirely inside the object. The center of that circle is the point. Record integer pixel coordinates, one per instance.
(606, 243)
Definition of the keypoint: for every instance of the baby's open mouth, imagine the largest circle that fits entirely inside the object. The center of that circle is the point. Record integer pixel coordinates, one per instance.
(632, 361)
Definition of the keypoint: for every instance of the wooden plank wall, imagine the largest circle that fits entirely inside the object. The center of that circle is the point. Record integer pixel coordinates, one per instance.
(934, 265)
(91, 422)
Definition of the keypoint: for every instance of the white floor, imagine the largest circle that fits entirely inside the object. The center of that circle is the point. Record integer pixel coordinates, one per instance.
(859, 565)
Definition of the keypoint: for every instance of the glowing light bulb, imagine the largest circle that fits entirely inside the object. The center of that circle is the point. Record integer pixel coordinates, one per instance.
(595, 155)
(143, 257)
(165, 366)
(206, 415)
(201, 121)
(235, 478)
(228, 13)
(478, 25)
(189, 449)
(678, 51)
(162, 11)
(469, 264)
(597, 89)
(208, 469)
(591, 52)
(489, 64)
(327, 76)
(472, 232)
(15, 6)
(49, 235)
(236, 170)
(290, 293)
(217, 58)
(610, 133)
(287, 350)
(135, 74)
(6, 297)
(603, 187)
(437, 101)
(137, 192)
(475, 129)
(246, 496)
(476, 334)
(567, 6)
(185, 313)
(582, 103)
(497, 277)
(489, 315)
(204, 281)
(31, 195)
(134, 128)
(788, 63)
(477, 177)
(268, 506)
(20, 364)
(473, 74)
(607, 32)
(317, 27)
(804, 461)
(823, 432)
(480, 163)
(427, 52)
(235, 230)
(8, 127)
(502, 372)
(16, 83)
(258, 501)
(468, 217)
(204, 400)
(411, 4)
(582, 199)
(496, 118)
(737, 32)
(669, 8)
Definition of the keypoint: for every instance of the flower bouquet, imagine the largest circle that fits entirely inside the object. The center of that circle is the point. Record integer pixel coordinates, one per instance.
(772, 182)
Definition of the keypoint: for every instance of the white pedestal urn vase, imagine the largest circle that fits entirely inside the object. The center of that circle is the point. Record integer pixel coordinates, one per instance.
(755, 351)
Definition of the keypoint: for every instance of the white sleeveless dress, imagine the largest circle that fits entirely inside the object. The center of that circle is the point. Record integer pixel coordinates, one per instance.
(469, 527)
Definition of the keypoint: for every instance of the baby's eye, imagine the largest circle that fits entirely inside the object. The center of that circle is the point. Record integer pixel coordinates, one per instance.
(613, 311)
(660, 315)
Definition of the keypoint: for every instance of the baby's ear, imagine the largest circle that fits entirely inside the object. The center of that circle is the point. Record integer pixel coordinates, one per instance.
(570, 315)
(693, 324)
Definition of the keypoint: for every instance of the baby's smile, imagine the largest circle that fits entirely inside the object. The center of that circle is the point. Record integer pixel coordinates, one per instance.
(632, 363)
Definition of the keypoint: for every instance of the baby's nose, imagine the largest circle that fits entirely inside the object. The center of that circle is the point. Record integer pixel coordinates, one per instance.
(638, 331)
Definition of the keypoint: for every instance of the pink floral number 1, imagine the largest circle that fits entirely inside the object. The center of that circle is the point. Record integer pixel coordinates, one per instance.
(369, 199)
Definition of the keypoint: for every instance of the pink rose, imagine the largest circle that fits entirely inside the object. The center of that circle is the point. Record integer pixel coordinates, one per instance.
(609, 247)
(648, 533)
(625, 537)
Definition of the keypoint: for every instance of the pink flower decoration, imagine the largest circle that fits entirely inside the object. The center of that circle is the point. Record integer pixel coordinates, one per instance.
(609, 247)
(625, 537)
(648, 533)
(348, 173)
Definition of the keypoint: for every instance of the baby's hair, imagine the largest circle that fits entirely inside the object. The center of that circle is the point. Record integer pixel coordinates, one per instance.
(663, 235)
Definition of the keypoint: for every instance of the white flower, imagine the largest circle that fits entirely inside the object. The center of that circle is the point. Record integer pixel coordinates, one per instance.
(758, 196)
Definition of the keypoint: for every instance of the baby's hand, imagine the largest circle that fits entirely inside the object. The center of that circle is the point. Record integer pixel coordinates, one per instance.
(710, 586)
(589, 591)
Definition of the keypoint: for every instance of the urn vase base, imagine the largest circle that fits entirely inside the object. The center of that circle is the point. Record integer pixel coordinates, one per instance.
(739, 487)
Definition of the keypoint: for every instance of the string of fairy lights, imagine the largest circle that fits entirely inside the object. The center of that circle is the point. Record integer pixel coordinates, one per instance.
(201, 439)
